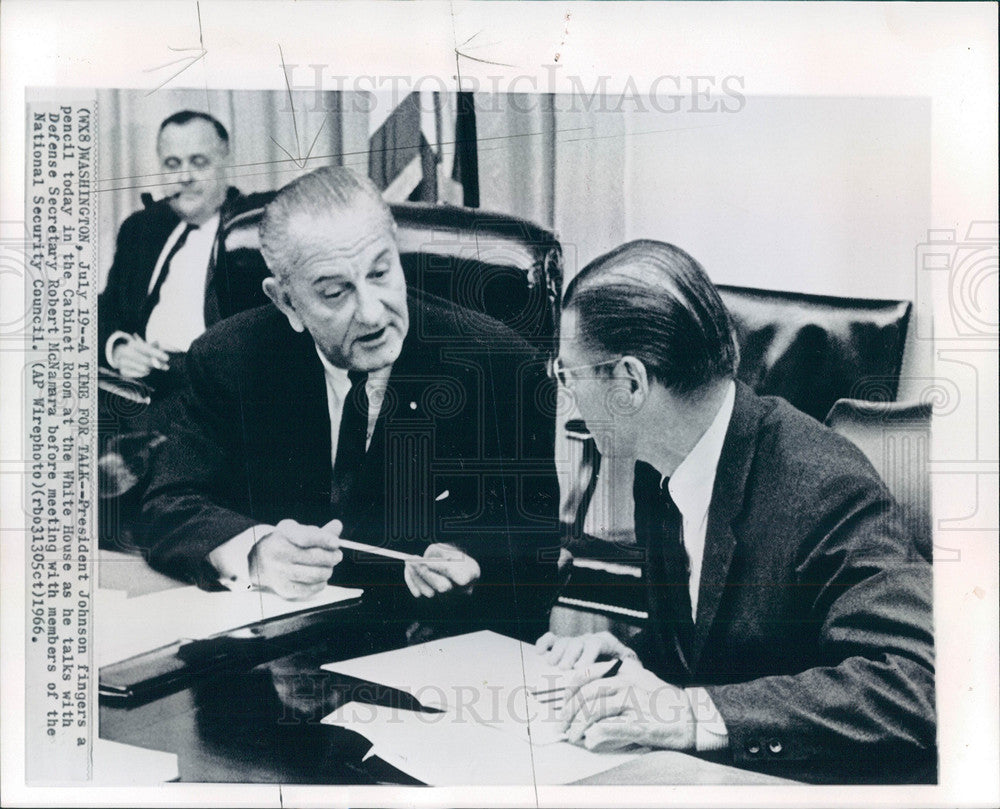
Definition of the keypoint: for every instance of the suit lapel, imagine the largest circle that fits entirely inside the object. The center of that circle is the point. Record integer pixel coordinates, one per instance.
(301, 389)
(213, 310)
(158, 227)
(368, 502)
(727, 502)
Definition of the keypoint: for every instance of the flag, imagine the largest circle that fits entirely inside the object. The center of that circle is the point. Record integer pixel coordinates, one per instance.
(424, 149)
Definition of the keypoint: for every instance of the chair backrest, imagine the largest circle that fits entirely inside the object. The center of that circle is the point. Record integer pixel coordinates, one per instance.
(811, 350)
(499, 265)
(814, 349)
(896, 439)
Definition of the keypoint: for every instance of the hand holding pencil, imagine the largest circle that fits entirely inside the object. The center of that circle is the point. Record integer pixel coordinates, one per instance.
(295, 560)
(441, 569)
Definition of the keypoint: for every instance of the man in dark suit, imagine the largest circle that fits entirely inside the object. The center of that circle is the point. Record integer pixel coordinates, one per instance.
(789, 612)
(354, 409)
(161, 290)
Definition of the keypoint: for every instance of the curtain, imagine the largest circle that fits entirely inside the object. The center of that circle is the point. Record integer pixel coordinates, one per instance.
(262, 137)
(540, 157)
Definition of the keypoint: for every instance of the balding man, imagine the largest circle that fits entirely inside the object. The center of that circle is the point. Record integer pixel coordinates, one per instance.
(161, 292)
(356, 408)
(789, 612)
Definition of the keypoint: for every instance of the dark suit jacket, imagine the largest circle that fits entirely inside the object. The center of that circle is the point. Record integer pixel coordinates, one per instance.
(121, 305)
(462, 452)
(813, 633)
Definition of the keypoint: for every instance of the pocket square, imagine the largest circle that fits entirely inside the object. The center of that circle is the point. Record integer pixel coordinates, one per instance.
(442, 496)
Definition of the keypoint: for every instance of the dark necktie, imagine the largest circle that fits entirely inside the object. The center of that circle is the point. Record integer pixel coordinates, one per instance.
(677, 570)
(351, 441)
(154, 296)
(212, 311)
(668, 569)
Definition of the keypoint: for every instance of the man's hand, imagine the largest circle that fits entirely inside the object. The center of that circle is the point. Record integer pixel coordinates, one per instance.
(443, 568)
(135, 358)
(295, 561)
(634, 707)
(582, 650)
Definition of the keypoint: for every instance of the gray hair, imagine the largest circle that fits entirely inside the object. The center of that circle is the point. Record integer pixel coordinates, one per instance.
(653, 301)
(322, 193)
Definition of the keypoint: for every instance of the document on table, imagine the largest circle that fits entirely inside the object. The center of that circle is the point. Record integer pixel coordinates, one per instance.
(497, 725)
(495, 678)
(130, 626)
(452, 749)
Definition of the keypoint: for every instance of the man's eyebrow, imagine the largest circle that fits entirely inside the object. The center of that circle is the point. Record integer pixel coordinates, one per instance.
(191, 156)
(384, 253)
(336, 277)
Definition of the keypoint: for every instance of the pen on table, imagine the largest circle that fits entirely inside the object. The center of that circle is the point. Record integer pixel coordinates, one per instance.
(611, 672)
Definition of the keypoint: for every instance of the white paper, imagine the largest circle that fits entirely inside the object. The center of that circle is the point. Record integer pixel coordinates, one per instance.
(130, 626)
(445, 749)
(117, 764)
(481, 676)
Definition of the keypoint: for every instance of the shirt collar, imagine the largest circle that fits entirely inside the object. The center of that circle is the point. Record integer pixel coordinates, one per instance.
(338, 380)
(692, 482)
(210, 226)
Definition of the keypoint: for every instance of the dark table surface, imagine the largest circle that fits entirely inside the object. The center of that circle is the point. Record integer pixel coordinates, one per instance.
(248, 721)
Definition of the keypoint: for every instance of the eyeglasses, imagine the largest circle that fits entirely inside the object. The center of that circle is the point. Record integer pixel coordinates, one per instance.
(562, 374)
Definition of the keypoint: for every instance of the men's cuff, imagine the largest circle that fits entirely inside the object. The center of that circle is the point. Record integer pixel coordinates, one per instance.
(232, 558)
(115, 338)
(710, 732)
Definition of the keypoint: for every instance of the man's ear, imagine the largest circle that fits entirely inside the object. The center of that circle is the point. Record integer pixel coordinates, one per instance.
(280, 298)
(633, 371)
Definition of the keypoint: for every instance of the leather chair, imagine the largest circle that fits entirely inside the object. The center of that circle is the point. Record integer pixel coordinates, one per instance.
(499, 265)
(896, 438)
(815, 349)
(809, 349)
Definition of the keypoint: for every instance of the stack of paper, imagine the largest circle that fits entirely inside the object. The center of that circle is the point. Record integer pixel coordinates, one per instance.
(494, 728)
(130, 626)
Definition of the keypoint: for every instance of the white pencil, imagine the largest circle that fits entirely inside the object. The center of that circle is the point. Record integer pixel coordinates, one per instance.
(377, 551)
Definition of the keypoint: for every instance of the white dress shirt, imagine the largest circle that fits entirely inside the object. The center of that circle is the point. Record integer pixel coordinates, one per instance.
(179, 315)
(231, 558)
(691, 488)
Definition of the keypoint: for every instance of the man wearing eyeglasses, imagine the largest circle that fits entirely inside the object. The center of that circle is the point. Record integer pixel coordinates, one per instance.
(789, 620)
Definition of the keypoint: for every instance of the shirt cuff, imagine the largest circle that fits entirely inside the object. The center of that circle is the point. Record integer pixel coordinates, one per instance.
(710, 731)
(115, 338)
(232, 558)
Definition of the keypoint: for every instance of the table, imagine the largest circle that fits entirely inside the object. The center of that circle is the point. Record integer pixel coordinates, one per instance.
(253, 722)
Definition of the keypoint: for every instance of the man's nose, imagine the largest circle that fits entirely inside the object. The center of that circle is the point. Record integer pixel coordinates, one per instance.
(370, 305)
(186, 174)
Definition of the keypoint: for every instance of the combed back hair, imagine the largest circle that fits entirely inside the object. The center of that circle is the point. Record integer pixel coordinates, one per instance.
(186, 116)
(305, 201)
(653, 301)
